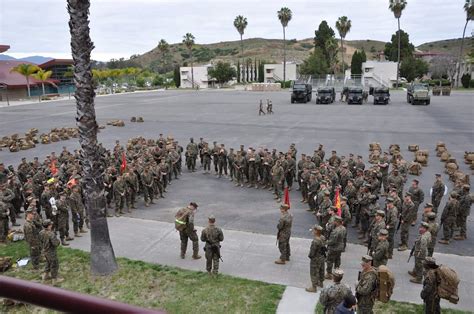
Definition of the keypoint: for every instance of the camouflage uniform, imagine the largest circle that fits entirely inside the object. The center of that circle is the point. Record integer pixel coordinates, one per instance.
(448, 218)
(437, 192)
(407, 218)
(62, 218)
(317, 259)
(4, 212)
(365, 289)
(119, 196)
(391, 223)
(212, 235)
(433, 229)
(331, 296)
(277, 178)
(381, 253)
(335, 247)
(31, 231)
(464, 211)
(131, 181)
(77, 211)
(420, 253)
(7, 196)
(429, 294)
(147, 182)
(189, 233)
(49, 243)
(206, 159)
(283, 236)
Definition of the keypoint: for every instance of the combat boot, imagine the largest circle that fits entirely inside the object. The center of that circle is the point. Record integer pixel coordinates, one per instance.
(328, 276)
(280, 262)
(196, 256)
(460, 238)
(88, 225)
(45, 276)
(402, 248)
(64, 243)
(68, 238)
(82, 231)
(55, 281)
(311, 289)
(77, 235)
(415, 280)
(442, 241)
(412, 273)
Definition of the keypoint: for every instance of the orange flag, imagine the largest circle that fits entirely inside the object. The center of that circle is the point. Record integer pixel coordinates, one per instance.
(123, 166)
(287, 197)
(337, 202)
(53, 168)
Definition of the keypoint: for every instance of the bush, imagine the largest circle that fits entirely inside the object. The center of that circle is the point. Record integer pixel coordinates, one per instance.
(466, 80)
(471, 84)
(140, 82)
(286, 84)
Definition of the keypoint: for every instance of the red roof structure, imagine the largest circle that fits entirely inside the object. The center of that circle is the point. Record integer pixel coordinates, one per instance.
(53, 62)
(4, 48)
(13, 79)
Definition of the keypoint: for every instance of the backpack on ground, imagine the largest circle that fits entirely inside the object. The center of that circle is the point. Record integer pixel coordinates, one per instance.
(448, 282)
(180, 219)
(385, 284)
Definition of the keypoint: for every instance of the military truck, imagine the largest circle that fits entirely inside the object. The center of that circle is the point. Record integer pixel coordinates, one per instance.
(381, 95)
(326, 95)
(354, 95)
(418, 93)
(301, 92)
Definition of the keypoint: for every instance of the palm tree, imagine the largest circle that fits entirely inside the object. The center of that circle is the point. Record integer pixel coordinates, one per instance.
(284, 15)
(102, 253)
(397, 6)
(469, 8)
(343, 26)
(240, 23)
(188, 41)
(164, 48)
(26, 69)
(42, 76)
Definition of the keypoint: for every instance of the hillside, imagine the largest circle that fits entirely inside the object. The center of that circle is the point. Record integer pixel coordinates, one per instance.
(271, 50)
(449, 46)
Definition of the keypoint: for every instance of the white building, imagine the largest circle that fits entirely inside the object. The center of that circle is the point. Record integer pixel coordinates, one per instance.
(274, 72)
(201, 78)
(379, 73)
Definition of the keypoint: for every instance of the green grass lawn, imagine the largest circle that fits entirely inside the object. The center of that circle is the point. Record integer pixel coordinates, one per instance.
(152, 286)
(394, 307)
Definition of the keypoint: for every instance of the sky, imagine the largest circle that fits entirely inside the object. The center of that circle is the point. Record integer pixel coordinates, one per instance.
(121, 28)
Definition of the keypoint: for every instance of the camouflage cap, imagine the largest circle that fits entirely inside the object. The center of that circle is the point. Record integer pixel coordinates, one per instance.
(453, 194)
(430, 261)
(327, 193)
(407, 194)
(194, 204)
(317, 227)
(438, 175)
(29, 210)
(343, 198)
(431, 216)
(428, 205)
(424, 224)
(380, 213)
(383, 232)
(366, 258)
(284, 207)
(389, 200)
(47, 222)
(338, 273)
(211, 217)
(466, 186)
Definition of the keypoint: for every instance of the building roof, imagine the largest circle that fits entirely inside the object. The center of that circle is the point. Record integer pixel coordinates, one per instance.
(54, 62)
(429, 54)
(4, 48)
(13, 79)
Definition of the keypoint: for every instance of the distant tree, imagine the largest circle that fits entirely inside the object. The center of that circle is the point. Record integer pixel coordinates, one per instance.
(141, 81)
(255, 70)
(363, 56)
(238, 72)
(343, 26)
(188, 41)
(176, 76)
(315, 64)
(284, 15)
(223, 72)
(43, 77)
(465, 79)
(412, 68)
(158, 80)
(321, 36)
(261, 71)
(332, 50)
(442, 67)
(356, 63)
(406, 48)
(469, 8)
(397, 7)
(26, 69)
(248, 64)
(240, 23)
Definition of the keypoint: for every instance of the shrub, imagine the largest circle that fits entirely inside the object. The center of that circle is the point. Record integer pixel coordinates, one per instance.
(466, 80)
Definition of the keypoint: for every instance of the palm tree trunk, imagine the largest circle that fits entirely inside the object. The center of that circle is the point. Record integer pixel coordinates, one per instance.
(398, 58)
(192, 68)
(42, 85)
(241, 50)
(460, 54)
(284, 57)
(28, 85)
(342, 58)
(102, 253)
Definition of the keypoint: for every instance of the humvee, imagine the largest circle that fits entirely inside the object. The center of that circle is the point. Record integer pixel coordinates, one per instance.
(354, 95)
(301, 92)
(418, 93)
(326, 95)
(381, 95)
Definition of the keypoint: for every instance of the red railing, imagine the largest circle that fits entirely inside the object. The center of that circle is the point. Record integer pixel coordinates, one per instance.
(62, 300)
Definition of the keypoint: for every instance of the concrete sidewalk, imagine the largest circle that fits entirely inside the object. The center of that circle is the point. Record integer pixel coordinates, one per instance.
(252, 256)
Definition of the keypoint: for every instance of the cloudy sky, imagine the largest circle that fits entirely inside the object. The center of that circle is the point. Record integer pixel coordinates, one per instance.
(120, 28)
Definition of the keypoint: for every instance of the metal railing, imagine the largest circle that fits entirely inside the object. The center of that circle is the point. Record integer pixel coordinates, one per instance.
(62, 300)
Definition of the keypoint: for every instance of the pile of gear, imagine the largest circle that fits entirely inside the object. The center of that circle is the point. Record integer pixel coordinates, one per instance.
(375, 151)
(469, 159)
(451, 165)
(119, 123)
(15, 142)
(135, 119)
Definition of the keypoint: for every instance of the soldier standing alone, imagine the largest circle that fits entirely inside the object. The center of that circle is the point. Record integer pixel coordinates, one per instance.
(284, 234)
(332, 296)
(380, 254)
(429, 294)
(213, 236)
(317, 256)
(49, 244)
(189, 232)
(365, 286)
(420, 253)
(335, 246)
(32, 237)
(437, 192)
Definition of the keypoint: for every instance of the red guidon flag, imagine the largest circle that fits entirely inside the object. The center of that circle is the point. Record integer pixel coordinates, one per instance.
(337, 202)
(123, 166)
(52, 168)
(287, 197)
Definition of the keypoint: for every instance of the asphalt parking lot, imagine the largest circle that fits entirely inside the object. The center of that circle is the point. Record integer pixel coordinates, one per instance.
(231, 117)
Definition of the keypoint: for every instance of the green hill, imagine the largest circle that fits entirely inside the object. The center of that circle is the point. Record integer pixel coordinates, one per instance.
(449, 46)
(271, 50)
